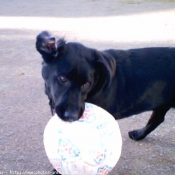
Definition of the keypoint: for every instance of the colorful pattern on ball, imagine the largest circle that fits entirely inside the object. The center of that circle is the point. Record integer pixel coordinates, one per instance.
(67, 151)
(104, 170)
(88, 115)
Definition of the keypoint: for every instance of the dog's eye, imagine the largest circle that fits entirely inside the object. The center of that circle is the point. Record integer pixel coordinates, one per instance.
(86, 85)
(63, 79)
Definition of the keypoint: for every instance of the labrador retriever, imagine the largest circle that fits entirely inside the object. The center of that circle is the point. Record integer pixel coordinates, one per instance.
(123, 82)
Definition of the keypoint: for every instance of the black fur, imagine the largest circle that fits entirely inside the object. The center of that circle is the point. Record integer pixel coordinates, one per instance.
(123, 82)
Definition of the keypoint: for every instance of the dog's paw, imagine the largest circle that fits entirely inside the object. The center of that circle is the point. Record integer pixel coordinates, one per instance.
(136, 135)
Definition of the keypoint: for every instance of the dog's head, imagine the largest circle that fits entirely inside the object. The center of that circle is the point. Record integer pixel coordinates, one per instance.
(72, 73)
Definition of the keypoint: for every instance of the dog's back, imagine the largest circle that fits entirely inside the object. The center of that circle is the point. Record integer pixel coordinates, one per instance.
(145, 79)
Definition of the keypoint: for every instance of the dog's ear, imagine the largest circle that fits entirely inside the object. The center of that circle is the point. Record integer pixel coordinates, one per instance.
(49, 46)
(106, 67)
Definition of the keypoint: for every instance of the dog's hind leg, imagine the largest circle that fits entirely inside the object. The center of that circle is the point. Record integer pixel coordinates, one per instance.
(155, 120)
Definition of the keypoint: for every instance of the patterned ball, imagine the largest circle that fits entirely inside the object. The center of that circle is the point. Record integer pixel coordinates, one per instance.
(90, 146)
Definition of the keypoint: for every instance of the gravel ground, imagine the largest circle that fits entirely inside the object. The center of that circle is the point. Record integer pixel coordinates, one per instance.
(101, 24)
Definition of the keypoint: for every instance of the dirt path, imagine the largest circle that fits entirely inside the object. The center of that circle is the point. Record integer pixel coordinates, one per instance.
(97, 23)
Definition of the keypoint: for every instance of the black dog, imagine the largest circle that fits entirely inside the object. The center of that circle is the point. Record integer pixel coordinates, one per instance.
(123, 82)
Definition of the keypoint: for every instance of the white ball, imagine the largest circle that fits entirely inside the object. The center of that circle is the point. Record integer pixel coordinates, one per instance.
(90, 146)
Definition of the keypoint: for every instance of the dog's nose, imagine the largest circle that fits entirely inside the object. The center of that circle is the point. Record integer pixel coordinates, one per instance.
(70, 116)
